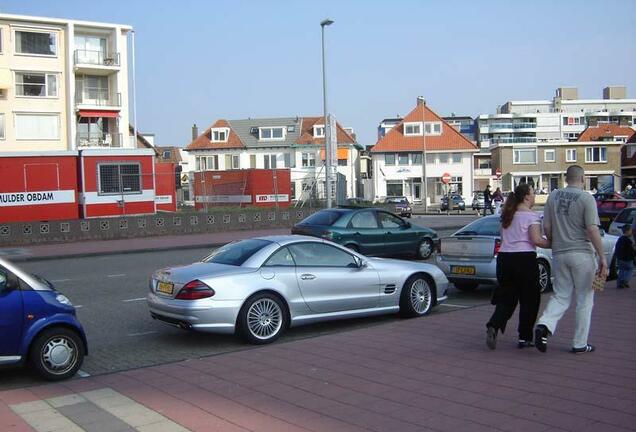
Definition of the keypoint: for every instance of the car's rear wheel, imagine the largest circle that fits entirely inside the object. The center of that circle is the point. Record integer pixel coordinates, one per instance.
(425, 249)
(417, 296)
(545, 281)
(57, 353)
(466, 286)
(262, 319)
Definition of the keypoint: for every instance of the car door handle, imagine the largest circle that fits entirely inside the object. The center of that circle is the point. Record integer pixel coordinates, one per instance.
(307, 276)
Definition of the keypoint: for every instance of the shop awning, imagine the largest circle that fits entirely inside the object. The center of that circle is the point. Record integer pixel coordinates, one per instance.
(343, 153)
(98, 113)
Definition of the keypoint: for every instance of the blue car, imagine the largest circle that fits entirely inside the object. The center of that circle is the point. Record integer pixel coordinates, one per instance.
(38, 325)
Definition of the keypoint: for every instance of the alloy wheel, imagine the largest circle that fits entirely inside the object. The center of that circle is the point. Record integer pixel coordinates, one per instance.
(264, 318)
(421, 298)
(59, 355)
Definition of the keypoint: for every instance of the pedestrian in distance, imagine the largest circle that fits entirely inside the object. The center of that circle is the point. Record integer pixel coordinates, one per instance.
(487, 200)
(570, 220)
(517, 268)
(625, 255)
(498, 198)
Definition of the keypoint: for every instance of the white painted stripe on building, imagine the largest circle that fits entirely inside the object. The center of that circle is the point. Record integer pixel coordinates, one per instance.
(163, 199)
(96, 198)
(14, 199)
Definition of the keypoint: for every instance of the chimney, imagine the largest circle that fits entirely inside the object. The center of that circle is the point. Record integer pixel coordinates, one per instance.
(195, 131)
(421, 101)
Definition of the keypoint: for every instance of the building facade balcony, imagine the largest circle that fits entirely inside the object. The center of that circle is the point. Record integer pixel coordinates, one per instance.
(96, 62)
(98, 98)
(102, 139)
(513, 140)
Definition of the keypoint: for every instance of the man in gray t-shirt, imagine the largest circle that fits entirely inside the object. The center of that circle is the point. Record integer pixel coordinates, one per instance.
(570, 220)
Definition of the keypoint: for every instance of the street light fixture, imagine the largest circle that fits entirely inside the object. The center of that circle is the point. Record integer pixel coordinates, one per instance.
(323, 23)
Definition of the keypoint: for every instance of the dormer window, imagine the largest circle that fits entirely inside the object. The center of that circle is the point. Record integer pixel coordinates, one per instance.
(433, 128)
(220, 134)
(319, 131)
(413, 129)
(271, 133)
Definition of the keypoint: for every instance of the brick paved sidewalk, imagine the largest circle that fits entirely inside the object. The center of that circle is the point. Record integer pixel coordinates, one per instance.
(424, 374)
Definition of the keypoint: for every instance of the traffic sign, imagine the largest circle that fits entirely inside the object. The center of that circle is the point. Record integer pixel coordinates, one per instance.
(446, 178)
(498, 173)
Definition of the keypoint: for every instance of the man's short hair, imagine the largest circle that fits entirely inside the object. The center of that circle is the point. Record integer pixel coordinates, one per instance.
(626, 228)
(574, 173)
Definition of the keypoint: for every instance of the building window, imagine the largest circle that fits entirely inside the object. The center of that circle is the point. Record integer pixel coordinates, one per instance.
(1, 126)
(271, 133)
(252, 161)
(571, 136)
(549, 155)
(416, 158)
(220, 134)
(308, 160)
(394, 188)
(269, 161)
(573, 121)
(433, 128)
(456, 157)
(293, 190)
(403, 158)
(91, 50)
(167, 154)
(343, 162)
(411, 129)
(319, 131)
(389, 159)
(236, 162)
(37, 43)
(203, 163)
(525, 156)
(595, 154)
(444, 157)
(288, 161)
(119, 179)
(570, 155)
(36, 84)
(37, 126)
(431, 158)
(630, 150)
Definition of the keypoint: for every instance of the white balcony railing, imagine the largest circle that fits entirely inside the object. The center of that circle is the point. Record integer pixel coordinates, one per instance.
(99, 139)
(96, 57)
(98, 97)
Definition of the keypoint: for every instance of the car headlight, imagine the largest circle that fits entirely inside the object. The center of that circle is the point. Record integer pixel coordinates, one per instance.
(408, 209)
(63, 299)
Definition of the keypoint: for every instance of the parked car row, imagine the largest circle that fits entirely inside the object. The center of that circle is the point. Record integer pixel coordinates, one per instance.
(258, 288)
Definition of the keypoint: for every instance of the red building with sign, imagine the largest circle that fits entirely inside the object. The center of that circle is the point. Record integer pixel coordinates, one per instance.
(259, 187)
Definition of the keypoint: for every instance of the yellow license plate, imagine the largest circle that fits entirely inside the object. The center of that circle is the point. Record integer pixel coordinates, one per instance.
(605, 219)
(165, 287)
(463, 270)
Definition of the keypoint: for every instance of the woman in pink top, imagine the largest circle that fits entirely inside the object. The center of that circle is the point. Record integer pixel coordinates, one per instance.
(517, 268)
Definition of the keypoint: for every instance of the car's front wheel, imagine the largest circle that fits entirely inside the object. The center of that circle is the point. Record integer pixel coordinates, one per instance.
(57, 353)
(545, 280)
(417, 297)
(262, 319)
(424, 249)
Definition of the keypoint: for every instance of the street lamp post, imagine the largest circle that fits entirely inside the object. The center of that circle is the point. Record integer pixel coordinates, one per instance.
(421, 101)
(327, 129)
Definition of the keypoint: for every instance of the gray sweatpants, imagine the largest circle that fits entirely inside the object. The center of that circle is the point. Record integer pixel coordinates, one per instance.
(573, 276)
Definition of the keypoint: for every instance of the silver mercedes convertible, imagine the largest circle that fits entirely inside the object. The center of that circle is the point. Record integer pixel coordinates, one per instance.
(259, 287)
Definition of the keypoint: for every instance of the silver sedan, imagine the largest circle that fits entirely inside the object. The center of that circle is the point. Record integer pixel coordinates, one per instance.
(469, 257)
(259, 287)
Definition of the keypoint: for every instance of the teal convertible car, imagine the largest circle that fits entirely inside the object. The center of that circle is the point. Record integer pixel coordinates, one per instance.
(370, 231)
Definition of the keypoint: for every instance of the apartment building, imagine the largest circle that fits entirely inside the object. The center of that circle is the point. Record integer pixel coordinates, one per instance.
(297, 143)
(564, 117)
(397, 158)
(63, 84)
(543, 164)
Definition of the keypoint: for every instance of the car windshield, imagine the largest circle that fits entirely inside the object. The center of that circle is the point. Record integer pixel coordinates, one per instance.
(323, 217)
(236, 253)
(484, 227)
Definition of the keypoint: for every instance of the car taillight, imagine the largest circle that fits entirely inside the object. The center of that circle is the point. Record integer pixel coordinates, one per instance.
(328, 235)
(195, 290)
(497, 246)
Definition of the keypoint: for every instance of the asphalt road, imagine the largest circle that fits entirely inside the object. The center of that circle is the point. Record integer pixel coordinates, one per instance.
(109, 292)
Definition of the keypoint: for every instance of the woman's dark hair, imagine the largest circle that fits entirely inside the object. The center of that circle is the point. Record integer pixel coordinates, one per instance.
(512, 202)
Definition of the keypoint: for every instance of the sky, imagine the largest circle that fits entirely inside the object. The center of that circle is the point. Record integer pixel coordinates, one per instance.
(199, 61)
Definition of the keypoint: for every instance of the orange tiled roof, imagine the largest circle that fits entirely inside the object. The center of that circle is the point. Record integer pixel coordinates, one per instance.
(395, 141)
(609, 130)
(203, 141)
(307, 132)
